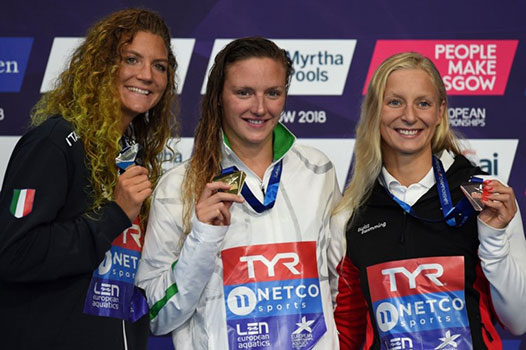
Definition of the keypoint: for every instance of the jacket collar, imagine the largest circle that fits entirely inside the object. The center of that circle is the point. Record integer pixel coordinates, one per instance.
(282, 139)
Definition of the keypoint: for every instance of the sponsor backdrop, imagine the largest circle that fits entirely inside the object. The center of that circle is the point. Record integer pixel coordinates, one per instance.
(335, 45)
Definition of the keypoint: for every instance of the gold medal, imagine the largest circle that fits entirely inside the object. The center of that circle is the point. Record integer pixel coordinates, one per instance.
(235, 180)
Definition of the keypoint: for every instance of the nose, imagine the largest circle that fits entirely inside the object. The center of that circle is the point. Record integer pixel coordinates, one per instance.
(409, 114)
(145, 72)
(259, 107)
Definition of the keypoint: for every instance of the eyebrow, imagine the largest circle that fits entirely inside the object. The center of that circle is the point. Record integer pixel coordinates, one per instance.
(393, 94)
(141, 56)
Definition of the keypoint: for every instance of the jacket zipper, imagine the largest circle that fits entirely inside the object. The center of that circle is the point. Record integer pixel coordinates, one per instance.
(402, 233)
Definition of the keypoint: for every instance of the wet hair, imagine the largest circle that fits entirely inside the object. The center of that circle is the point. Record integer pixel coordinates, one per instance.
(86, 95)
(367, 149)
(205, 162)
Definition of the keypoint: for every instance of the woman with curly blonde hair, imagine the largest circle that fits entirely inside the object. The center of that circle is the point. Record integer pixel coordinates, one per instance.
(63, 201)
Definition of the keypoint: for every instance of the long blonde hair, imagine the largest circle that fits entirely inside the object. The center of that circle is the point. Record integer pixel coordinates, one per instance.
(86, 95)
(367, 156)
(205, 162)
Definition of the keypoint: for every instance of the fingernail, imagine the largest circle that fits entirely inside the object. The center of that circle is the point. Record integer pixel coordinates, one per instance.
(487, 182)
(487, 188)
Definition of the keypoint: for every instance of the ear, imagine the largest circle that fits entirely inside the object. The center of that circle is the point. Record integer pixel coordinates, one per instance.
(441, 112)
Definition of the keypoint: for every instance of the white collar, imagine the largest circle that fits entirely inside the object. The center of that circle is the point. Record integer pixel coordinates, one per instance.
(428, 180)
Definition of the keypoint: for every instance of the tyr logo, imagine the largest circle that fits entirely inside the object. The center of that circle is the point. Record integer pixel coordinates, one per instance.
(436, 271)
(292, 258)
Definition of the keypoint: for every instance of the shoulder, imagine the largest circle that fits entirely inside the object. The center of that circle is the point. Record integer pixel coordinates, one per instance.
(54, 136)
(55, 130)
(311, 156)
(169, 185)
(462, 169)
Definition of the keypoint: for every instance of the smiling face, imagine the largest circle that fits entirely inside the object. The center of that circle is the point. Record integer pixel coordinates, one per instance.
(252, 99)
(142, 76)
(411, 111)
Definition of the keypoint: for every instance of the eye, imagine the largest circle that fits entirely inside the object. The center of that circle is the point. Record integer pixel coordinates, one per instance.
(130, 60)
(424, 104)
(274, 93)
(394, 102)
(243, 92)
(160, 67)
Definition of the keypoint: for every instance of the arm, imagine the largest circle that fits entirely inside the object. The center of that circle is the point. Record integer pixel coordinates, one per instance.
(174, 275)
(350, 312)
(336, 249)
(502, 252)
(51, 241)
(350, 307)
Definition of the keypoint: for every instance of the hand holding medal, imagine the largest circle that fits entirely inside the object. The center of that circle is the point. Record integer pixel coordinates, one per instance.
(213, 207)
(133, 185)
(499, 204)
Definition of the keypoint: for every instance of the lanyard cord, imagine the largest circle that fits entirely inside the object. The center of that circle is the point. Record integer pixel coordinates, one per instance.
(453, 216)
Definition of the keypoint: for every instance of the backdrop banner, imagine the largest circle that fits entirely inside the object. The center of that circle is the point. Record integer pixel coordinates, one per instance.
(335, 46)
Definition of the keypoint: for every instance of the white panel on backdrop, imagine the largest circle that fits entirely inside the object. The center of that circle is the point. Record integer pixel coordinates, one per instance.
(183, 49)
(59, 56)
(7, 144)
(63, 48)
(494, 156)
(320, 66)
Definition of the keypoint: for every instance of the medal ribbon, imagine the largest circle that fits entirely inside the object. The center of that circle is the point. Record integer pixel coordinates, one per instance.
(453, 216)
(270, 194)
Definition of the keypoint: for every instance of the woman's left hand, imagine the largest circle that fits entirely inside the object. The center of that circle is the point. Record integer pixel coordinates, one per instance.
(499, 204)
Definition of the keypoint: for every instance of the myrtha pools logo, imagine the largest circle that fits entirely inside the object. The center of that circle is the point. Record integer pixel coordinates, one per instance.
(273, 296)
(320, 66)
(420, 304)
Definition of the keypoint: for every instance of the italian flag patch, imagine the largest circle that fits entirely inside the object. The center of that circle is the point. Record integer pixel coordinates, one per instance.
(22, 202)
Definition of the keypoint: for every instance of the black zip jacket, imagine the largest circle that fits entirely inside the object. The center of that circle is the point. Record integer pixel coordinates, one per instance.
(47, 257)
(383, 232)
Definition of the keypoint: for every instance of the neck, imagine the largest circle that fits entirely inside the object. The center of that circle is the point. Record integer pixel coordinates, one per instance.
(408, 169)
(256, 159)
(124, 124)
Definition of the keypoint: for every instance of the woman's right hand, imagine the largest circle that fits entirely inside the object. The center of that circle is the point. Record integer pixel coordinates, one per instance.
(213, 207)
(132, 188)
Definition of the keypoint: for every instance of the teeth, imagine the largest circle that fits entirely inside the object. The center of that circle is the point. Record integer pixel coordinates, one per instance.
(407, 132)
(140, 91)
(256, 121)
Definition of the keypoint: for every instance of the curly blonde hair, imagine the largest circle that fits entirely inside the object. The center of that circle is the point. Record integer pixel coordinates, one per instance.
(86, 95)
(367, 149)
(205, 162)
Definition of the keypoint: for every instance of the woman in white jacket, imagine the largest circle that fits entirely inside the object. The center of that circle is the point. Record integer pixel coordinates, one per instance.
(229, 271)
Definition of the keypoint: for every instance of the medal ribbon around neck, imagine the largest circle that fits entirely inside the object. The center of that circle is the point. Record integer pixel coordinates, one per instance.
(270, 194)
(453, 216)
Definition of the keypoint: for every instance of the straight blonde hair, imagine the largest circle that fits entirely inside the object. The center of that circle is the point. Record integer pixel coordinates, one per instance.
(367, 156)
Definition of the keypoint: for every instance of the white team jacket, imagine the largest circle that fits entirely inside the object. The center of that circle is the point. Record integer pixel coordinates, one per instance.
(264, 253)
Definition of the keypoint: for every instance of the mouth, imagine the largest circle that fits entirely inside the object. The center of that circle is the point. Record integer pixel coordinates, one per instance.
(256, 121)
(408, 132)
(139, 91)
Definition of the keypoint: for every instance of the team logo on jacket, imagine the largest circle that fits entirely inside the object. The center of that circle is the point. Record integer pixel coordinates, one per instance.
(420, 303)
(22, 202)
(273, 296)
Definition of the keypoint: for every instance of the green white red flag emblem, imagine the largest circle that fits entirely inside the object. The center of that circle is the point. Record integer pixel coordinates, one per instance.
(22, 202)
